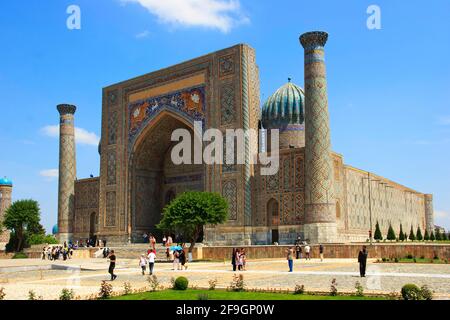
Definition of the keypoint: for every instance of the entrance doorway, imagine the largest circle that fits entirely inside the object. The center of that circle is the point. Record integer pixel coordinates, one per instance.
(273, 219)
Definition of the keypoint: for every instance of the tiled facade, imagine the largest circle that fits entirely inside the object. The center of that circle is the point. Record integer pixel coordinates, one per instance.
(221, 90)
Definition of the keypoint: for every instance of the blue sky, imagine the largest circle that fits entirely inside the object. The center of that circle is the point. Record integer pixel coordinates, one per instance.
(389, 94)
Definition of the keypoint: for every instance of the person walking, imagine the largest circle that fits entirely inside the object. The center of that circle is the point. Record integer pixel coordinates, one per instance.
(290, 258)
(112, 265)
(238, 259)
(233, 259)
(243, 258)
(307, 252)
(362, 259)
(183, 259)
(321, 252)
(143, 263)
(153, 242)
(176, 260)
(298, 251)
(164, 241)
(151, 260)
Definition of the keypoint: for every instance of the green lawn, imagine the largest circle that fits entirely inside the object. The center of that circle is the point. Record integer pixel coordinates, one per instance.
(225, 295)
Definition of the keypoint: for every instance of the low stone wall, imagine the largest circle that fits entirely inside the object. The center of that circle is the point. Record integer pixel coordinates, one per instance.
(376, 250)
(83, 253)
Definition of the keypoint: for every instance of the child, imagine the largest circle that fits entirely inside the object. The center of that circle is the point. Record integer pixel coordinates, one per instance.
(143, 263)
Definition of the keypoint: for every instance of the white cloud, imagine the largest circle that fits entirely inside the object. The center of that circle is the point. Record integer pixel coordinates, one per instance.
(49, 174)
(82, 136)
(143, 34)
(216, 14)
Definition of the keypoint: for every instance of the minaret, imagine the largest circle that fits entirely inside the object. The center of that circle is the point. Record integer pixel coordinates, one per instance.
(5, 203)
(320, 215)
(429, 213)
(67, 172)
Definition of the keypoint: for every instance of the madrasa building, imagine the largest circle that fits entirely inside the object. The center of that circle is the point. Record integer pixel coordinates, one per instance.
(314, 194)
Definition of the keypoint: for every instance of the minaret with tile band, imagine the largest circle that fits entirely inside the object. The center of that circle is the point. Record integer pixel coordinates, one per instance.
(320, 216)
(67, 172)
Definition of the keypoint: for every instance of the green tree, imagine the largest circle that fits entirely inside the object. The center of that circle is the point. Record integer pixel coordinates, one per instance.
(438, 235)
(419, 234)
(377, 235)
(405, 235)
(21, 217)
(401, 235)
(426, 237)
(189, 212)
(412, 237)
(444, 236)
(391, 233)
(432, 237)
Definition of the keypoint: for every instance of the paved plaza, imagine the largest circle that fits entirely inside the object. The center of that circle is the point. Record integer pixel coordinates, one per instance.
(47, 279)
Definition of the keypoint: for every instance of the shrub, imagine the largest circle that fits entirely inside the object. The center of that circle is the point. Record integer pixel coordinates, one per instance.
(127, 288)
(426, 293)
(401, 236)
(66, 294)
(238, 284)
(391, 233)
(2, 293)
(412, 236)
(32, 295)
(377, 235)
(426, 237)
(333, 288)
(299, 289)
(202, 297)
(409, 256)
(153, 282)
(212, 284)
(384, 259)
(432, 237)
(411, 292)
(436, 257)
(419, 234)
(181, 283)
(20, 255)
(105, 290)
(359, 289)
(396, 259)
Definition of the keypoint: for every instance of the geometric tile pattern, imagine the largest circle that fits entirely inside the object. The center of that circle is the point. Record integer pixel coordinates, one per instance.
(226, 65)
(110, 220)
(112, 127)
(111, 167)
(227, 105)
(229, 192)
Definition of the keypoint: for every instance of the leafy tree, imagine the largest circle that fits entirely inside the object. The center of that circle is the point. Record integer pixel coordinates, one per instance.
(20, 217)
(391, 233)
(405, 236)
(412, 237)
(189, 212)
(438, 235)
(432, 237)
(419, 234)
(377, 235)
(426, 237)
(444, 236)
(401, 235)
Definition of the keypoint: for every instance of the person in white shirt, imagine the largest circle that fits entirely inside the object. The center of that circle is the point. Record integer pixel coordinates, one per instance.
(307, 250)
(143, 263)
(151, 260)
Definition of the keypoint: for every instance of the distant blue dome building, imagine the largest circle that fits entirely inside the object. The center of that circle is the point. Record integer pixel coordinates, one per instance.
(55, 229)
(285, 110)
(5, 182)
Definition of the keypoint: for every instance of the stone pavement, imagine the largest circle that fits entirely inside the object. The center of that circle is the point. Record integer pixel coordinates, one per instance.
(85, 276)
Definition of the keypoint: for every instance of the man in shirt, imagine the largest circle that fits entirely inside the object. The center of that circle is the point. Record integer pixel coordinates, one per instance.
(151, 260)
(112, 265)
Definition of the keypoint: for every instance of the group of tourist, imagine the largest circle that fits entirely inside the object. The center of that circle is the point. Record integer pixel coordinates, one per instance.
(53, 253)
(238, 259)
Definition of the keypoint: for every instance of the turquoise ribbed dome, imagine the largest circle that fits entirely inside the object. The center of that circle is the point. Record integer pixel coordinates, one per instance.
(5, 182)
(55, 229)
(286, 107)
